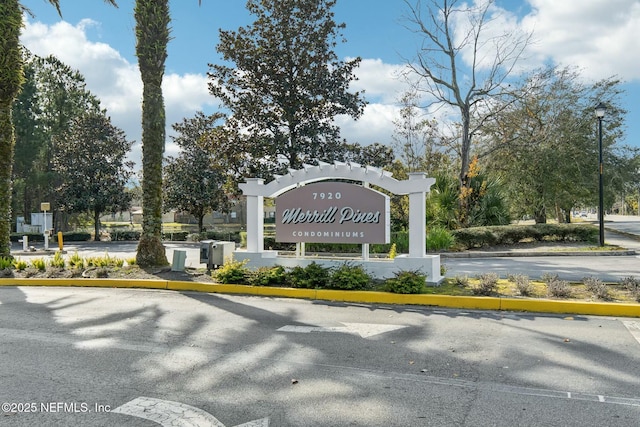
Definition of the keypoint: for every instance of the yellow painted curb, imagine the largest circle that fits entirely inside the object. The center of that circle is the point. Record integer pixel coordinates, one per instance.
(91, 283)
(285, 292)
(369, 297)
(571, 307)
(203, 287)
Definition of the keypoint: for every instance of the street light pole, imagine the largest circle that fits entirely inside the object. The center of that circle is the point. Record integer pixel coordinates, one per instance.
(601, 109)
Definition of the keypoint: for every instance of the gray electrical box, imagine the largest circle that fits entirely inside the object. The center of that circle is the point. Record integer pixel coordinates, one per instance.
(215, 252)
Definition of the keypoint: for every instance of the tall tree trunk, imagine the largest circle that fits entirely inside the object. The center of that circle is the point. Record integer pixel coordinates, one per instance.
(465, 181)
(11, 78)
(152, 35)
(200, 223)
(540, 215)
(96, 226)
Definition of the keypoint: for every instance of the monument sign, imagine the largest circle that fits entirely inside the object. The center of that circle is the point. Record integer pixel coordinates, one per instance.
(332, 212)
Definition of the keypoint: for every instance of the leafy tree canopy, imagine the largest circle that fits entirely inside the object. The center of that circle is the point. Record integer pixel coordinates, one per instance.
(287, 85)
(195, 181)
(92, 166)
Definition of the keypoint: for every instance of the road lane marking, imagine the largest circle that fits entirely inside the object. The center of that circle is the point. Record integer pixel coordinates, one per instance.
(633, 327)
(468, 384)
(170, 414)
(364, 330)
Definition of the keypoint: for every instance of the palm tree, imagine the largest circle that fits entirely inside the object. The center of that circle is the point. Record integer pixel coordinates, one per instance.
(152, 36)
(11, 79)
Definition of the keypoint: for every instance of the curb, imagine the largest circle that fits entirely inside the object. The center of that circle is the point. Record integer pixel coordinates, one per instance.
(517, 254)
(368, 297)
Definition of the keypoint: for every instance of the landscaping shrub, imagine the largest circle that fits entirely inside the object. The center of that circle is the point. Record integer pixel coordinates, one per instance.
(6, 267)
(393, 252)
(334, 248)
(523, 284)
(57, 261)
(74, 236)
(5, 262)
(20, 264)
(406, 282)
(556, 287)
(349, 277)
(400, 239)
(271, 244)
(175, 236)
(439, 238)
(313, 276)
(232, 272)
(461, 281)
(125, 235)
(105, 261)
(76, 261)
(225, 236)
(268, 276)
(39, 264)
(67, 236)
(632, 285)
(597, 288)
(33, 237)
(476, 237)
(487, 284)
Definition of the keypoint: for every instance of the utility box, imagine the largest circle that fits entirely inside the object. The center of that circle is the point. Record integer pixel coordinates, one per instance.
(179, 258)
(215, 252)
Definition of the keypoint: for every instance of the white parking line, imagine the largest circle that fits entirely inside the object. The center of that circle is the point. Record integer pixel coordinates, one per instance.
(364, 330)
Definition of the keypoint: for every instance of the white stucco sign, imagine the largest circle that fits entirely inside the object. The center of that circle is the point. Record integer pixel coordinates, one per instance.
(315, 201)
(332, 212)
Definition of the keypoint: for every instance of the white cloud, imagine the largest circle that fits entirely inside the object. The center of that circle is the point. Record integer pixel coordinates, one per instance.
(114, 80)
(117, 83)
(375, 125)
(598, 36)
(381, 82)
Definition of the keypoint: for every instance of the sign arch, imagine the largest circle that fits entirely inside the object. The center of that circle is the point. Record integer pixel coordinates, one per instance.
(417, 186)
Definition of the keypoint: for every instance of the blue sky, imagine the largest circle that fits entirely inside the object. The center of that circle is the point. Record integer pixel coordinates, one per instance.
(97, 39)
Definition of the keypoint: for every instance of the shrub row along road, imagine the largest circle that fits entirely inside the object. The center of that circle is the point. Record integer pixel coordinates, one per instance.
(127, 357)
(572, 268)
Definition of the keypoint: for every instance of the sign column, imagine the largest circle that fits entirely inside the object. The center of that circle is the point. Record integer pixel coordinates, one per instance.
(255, 218)
(417, 215)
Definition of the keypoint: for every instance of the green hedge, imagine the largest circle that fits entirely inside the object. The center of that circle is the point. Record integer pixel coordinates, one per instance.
(68, 236)
(33, 237)
(125, 235)
(477, 237)
(175, 236)
(401, 239)
(225, 236)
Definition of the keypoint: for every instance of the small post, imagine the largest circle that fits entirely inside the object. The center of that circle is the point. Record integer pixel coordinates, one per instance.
(60, 243)
(25, 243)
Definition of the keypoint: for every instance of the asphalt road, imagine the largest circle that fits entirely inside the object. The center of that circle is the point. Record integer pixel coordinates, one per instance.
(126, 357)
